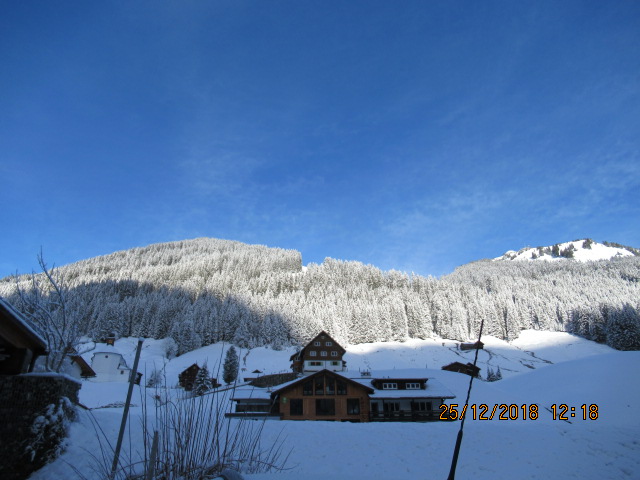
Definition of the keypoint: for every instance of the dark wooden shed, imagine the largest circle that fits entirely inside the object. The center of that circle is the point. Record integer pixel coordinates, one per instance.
(472, 346)
(467, 368)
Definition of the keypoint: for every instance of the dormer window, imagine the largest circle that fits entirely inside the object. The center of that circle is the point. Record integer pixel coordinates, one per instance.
(313, 353)
(413, 386)
(390, 386)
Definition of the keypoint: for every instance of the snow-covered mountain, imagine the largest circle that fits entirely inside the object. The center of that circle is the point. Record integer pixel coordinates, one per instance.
(205, 291)
(581, 250)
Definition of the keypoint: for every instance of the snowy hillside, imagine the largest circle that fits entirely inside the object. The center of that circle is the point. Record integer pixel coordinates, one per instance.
(532, 350)
(580, 250)
(540, 368)
(206, 291)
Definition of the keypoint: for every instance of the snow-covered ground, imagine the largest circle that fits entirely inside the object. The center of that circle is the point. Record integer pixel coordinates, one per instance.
(538, 368)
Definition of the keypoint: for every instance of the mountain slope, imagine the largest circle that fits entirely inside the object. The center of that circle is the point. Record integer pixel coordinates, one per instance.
(205, 291)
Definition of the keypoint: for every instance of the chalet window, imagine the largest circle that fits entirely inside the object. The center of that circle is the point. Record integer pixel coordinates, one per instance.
(325, 406)
(330, 385)
(342, 388)
(295, 406)
(421, 406)
(390, 386)
(353, 406)
(391, 407)
(313, 353)
(315, 364)
(335, 363)
(334, 354)
(319, 386)
(329, 344)
(307, 388)
(413, 386)
(323, 354)
(316, 344)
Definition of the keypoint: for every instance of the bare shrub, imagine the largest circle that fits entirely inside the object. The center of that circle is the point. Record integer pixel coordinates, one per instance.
(195, 441)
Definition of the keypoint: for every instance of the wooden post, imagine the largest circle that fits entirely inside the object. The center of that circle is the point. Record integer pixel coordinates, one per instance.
(151, 468)
(125, 413)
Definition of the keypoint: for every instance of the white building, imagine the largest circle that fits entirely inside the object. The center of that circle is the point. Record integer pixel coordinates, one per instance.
(110, 366)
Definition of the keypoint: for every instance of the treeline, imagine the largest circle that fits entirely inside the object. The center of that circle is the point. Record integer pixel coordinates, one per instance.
(205, 290)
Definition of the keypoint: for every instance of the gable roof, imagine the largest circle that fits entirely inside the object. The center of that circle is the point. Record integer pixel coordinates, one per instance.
(322, 372)
(85, 369)
(15, 329)
(300, 354)
(193, 367)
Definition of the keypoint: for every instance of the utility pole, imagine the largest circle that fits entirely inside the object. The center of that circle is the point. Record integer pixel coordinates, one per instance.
(456, 450)
(125, 413)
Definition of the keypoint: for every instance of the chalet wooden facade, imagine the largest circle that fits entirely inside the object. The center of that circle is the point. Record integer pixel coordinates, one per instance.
(321, 353)
(20, 345)
(336, 396)
(323, 395)
(187, 377)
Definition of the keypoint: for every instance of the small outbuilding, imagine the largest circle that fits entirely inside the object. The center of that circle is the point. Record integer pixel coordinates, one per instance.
(110, 366)
(472, 346)
(468, 368)
(187, 378)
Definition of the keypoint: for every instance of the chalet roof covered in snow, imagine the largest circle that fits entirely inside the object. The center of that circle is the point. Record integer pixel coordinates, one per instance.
(17, 331)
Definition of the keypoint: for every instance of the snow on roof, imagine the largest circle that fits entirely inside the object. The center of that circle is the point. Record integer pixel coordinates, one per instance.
(434, 389)
(22, 323)
(251, 393)
(340, 374)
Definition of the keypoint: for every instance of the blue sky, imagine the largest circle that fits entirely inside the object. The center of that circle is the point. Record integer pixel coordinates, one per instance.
(417, 136)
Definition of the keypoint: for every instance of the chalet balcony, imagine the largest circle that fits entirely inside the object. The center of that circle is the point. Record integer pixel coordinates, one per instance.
(254, 415)
(405, 416)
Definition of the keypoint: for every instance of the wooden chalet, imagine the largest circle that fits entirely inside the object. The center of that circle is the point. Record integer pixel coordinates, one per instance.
(472, 346)
(324, 395)
(321, 353)
(20, 345)
(335, 396)
(467, 368)
(187, 378)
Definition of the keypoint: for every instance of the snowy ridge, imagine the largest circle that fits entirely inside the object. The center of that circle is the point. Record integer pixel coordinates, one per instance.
(581, 250)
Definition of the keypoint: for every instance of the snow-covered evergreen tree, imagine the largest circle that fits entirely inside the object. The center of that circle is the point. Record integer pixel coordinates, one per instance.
(202, 383)
(231, 365)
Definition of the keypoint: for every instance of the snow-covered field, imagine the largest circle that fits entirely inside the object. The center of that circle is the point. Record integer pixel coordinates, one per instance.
(539, 368)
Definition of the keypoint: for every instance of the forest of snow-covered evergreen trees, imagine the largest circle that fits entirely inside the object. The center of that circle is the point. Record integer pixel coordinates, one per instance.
(205, 290)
